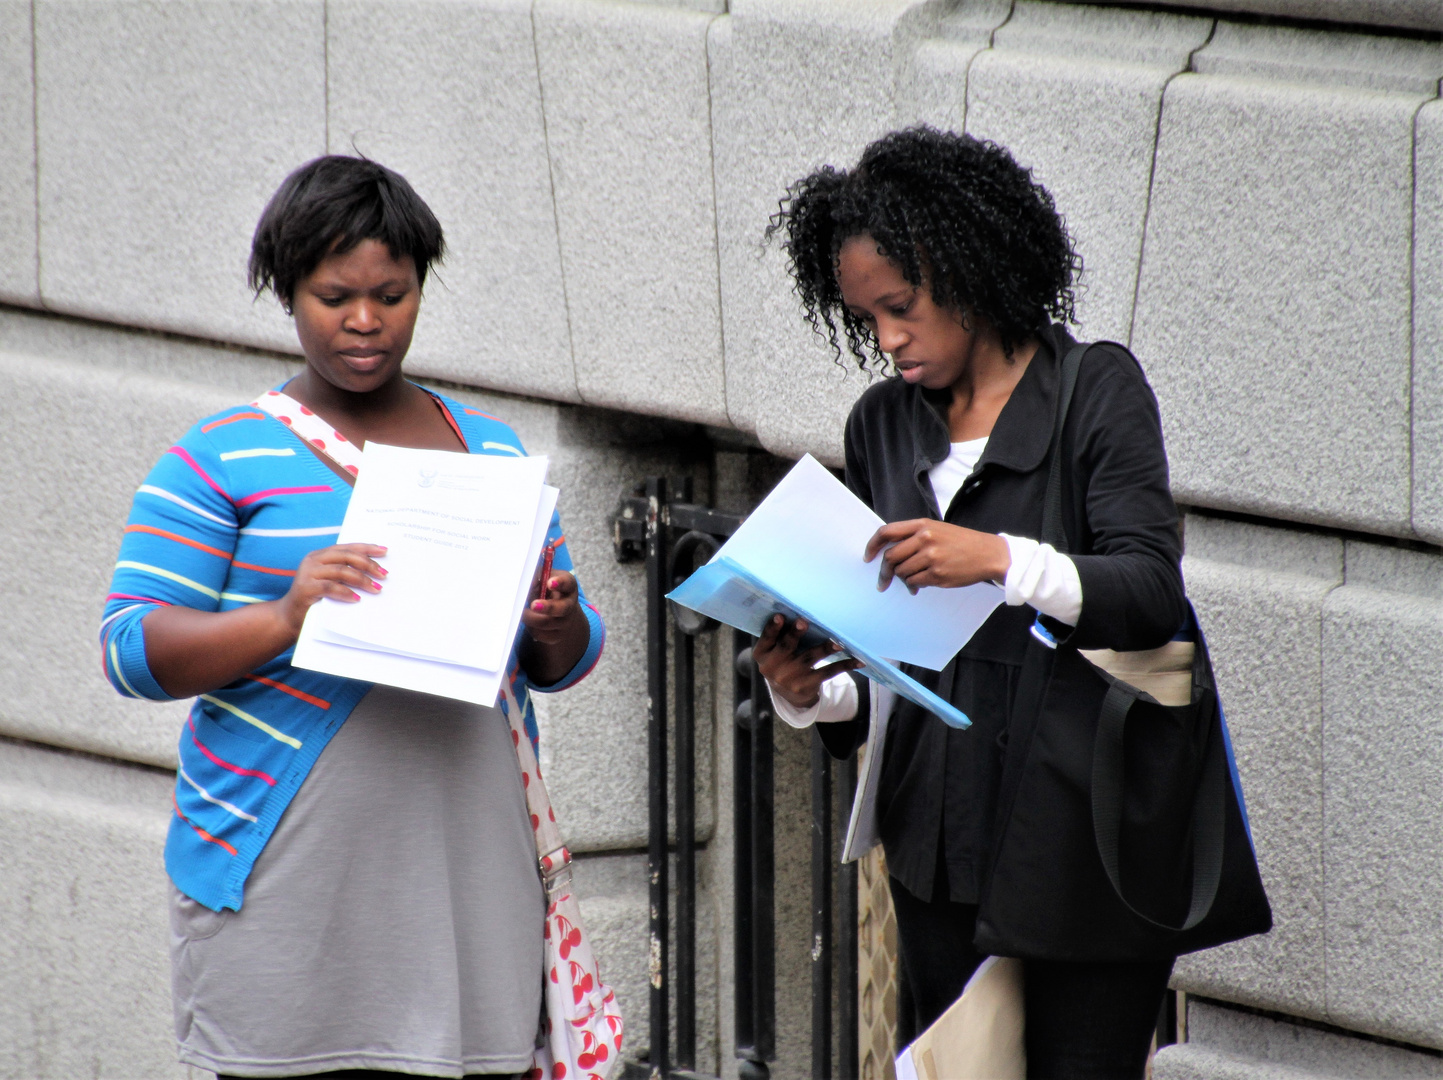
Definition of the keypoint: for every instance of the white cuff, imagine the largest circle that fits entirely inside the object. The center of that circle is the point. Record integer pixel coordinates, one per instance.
(837, 702)
(1042, 576)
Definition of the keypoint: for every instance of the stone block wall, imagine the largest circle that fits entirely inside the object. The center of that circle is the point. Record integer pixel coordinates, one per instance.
(83, 917)
(1256, 187)
(459, 104)
(1276, 282)
(1260, 594)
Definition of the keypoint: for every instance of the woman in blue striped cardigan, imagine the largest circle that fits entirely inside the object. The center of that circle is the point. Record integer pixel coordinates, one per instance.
(355, 882)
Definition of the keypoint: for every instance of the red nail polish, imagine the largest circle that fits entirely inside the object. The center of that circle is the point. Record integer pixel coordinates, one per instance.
(538, 605)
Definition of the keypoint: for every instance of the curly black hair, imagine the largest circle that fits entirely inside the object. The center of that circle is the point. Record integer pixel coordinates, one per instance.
(953, 212)
(328, 206)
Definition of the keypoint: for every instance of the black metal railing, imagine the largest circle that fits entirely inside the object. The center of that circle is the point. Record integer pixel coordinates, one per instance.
(673, 535)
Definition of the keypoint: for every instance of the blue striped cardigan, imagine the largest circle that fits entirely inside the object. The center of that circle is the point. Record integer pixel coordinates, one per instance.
(223, 520)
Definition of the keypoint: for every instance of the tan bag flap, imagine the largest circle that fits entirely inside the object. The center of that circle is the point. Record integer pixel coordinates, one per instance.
(1165, 673)
(980, 1035)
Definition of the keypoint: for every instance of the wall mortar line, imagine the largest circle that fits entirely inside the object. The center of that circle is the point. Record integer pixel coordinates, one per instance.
(555, 206)
(1152, 180)
(967, 75)
(715, 224)
(326, 72)
(1413, 314)
(35, 140)
(1323, 774)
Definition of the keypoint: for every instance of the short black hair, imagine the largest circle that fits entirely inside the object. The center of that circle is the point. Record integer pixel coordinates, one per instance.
(330, 205)
(952, 211)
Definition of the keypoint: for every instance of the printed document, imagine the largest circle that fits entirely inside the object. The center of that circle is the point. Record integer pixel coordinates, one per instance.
(463, 535)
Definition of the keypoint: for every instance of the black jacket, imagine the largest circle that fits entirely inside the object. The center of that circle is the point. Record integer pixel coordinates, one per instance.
(938, 790)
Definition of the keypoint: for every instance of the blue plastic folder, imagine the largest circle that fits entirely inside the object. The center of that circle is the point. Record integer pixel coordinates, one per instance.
(800, 553)
(728, 593)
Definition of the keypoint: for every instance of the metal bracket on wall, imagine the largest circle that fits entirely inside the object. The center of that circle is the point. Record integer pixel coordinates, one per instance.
(630, 521)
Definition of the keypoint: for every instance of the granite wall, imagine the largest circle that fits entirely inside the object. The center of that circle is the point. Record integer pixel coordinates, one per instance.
(1256, 187)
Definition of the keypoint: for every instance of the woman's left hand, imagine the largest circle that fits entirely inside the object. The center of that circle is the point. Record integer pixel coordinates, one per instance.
(548, 617)
(925, 551)
(557, 632)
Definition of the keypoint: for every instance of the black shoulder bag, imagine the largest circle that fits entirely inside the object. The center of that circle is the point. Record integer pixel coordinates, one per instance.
(1121, 831)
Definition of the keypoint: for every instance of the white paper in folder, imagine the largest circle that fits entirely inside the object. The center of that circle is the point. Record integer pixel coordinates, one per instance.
(463, 535)
(806, 541)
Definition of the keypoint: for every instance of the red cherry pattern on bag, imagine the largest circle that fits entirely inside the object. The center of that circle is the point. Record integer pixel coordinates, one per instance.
(570, 936)
(312, 428)
(595, 1029)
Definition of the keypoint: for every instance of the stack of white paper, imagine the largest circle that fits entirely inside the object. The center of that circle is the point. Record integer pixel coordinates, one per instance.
(463, 534)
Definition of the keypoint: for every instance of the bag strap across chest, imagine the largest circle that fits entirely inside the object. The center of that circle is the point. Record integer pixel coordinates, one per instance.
(1108, 772)
(316, 433)
(1053, 531)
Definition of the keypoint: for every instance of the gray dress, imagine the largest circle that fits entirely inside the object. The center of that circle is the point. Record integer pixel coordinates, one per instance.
(393, 922)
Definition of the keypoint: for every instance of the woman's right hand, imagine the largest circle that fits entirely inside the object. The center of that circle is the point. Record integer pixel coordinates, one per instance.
(194, 652)
(334, 572)
(792, 675)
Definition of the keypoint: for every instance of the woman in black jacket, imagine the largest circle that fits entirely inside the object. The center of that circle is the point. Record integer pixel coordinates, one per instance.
(939, 253)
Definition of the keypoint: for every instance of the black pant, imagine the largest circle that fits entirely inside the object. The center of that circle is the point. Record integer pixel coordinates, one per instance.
(1084, 1021)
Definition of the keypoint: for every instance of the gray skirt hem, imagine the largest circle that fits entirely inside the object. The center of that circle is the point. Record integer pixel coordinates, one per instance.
(397, 1063)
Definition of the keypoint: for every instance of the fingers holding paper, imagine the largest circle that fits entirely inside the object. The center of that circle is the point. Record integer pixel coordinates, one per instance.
(792, 673)
(924, 551)
(341, 572)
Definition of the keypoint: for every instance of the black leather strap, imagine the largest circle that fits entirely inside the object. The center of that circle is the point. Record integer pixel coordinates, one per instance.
(1209, 803)
(1052, 531)
(1037, 662)
(1208, 812)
